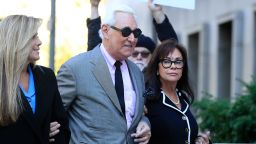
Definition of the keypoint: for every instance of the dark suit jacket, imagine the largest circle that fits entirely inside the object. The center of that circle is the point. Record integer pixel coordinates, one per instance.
(34, 128)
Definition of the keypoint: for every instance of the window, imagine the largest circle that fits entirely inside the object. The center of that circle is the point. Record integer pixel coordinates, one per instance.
(224, 59)
(193, 60)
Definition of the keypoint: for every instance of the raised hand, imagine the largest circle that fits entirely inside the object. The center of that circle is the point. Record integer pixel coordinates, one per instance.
(94, 9)
(154, 7)
(157, 11)
(95, 3)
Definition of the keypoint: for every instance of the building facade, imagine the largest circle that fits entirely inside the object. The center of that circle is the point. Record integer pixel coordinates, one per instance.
(221, 39)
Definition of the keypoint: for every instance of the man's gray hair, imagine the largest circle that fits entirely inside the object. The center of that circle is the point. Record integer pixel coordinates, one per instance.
(109, 18)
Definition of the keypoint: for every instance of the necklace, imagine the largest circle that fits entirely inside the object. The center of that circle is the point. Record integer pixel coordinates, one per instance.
(176, 103)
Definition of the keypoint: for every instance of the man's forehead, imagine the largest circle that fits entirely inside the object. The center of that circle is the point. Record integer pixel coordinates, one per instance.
(125, 19)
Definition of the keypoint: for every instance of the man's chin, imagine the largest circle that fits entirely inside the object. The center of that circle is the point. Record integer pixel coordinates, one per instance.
(140, 65)
(127, 54)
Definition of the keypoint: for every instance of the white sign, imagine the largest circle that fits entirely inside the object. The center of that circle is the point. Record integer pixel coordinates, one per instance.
(187, 4)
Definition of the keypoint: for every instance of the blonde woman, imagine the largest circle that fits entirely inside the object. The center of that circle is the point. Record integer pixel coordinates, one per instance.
(29, 97)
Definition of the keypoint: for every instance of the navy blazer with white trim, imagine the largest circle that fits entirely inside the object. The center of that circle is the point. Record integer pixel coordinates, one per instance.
(169, 125)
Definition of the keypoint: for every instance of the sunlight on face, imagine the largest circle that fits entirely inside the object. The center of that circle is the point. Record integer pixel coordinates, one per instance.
(122, 47)
(35, 47)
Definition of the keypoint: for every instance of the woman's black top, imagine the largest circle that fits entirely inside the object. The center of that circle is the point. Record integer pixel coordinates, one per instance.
(170, 125)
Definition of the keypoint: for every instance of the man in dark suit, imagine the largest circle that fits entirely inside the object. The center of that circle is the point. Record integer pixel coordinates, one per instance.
(101, 107)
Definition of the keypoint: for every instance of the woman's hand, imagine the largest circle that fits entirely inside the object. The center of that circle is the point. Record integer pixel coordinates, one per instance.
(203, 138)
(54, 130)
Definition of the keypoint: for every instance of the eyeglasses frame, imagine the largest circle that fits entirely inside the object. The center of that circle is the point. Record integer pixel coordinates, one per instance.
(132, 31)
(172, 62)
(141, 53)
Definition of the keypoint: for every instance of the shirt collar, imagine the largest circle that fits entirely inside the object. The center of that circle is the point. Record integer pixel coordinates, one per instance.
(31, 87)
(110, 60)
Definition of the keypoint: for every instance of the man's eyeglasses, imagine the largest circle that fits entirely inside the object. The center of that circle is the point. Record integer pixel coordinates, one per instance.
(126, 31)
(167, 63)
(144, 54)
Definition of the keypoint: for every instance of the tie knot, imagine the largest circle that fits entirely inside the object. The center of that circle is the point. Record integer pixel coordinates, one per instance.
(118, 63)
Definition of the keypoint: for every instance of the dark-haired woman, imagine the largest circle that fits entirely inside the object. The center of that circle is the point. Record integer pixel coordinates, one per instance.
(169, 97)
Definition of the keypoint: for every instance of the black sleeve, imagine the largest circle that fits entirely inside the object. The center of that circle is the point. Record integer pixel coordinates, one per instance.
(93, 32)
(59, 115)
(165, 30)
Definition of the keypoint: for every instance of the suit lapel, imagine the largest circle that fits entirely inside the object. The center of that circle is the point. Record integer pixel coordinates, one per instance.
(102, 74)
(29, 116)
(42, 99)
(135, 79)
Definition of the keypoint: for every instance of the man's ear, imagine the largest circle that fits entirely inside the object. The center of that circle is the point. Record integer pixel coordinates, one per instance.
(105, 31)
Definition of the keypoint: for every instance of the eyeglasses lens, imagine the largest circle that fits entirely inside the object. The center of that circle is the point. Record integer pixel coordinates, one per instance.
(143, 54)
(126, 31)
(168, 63)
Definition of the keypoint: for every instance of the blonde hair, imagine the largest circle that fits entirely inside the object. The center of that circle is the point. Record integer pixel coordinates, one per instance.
(16, 33)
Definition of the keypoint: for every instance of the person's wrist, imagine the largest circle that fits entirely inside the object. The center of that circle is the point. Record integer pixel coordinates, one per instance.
(94, 7)
(156, 12)
(94, 13)
(158, 16)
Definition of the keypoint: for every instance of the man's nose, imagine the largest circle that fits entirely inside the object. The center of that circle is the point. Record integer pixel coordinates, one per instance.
(139, 57)
(131, 37)
(39, 42)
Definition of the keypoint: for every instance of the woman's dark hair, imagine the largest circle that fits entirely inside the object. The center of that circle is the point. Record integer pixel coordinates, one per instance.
(153, 84)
